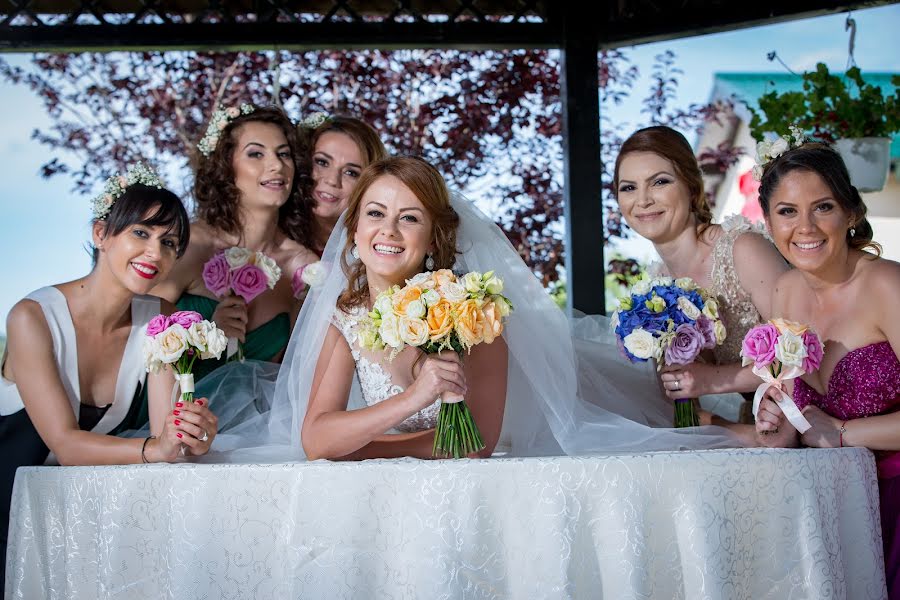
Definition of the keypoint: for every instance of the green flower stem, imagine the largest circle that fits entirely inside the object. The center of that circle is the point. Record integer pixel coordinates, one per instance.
(685, 416)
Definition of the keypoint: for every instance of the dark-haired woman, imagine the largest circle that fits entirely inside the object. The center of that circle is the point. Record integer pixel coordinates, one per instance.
(660, 193)
(247, 195)
(73, 375)
(843, 290)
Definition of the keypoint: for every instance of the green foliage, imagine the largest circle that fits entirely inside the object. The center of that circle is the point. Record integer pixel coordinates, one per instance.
(830, 107)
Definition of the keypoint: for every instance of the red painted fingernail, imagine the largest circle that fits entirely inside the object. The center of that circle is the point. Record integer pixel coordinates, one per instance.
(179, 435)
(200, 402)
(177, 422)
(179, 404)
(176, 412)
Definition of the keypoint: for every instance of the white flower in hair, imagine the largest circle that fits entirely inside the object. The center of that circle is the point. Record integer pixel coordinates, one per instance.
(314, 120)
(116, 185)
(218, 122)
(768, 151)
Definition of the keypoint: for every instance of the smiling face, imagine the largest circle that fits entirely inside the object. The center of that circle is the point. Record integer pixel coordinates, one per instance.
(653, 200)
(140, 256)
(393, 233)
(337, 164)
(263, 166)
(808, 224)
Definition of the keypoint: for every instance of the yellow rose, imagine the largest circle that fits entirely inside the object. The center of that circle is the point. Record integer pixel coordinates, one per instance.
(440, 320)
(469, 323)
(711, 309)
(443, 277)
(172, 343)
(720, 332)
(784, 325)
(402, 298)
(493, 327)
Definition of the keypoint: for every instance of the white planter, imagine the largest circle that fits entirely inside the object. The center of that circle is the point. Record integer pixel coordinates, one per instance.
(867, 160)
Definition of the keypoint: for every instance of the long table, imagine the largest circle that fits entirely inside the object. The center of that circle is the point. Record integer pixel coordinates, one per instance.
(723, 524)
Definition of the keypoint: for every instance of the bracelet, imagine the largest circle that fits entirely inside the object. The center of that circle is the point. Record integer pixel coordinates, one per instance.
(144, 448)
(841, 433)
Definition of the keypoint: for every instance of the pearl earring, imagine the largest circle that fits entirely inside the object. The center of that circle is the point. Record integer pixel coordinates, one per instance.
(852, 231)
(429, 263)
(354, 252)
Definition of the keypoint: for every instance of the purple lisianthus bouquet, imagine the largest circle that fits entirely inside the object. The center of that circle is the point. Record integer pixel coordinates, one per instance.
(670, 321)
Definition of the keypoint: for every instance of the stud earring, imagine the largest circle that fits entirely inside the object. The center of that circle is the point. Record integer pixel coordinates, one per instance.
(429, 263)
(354, 252)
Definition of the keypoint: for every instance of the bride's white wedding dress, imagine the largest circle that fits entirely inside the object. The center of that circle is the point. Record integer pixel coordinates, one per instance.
(568, 388)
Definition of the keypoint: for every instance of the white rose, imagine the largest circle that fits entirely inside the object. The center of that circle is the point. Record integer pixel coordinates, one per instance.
(269, 267)
(472, 282)
(390, 330)
(151, 359)
(197, 335)
(641, 344)
(790, 349)
(237, 257)
(313, 274)
(415, 309)
(413, 331)
(383, 305)
(419, 279)
(779, 147)
(641, 287)
(686, 283)
(663, 281)
(688, 308)
(720, 332)
(454, 292)
(216, 342)
(763, 152)
(172, 343)
(431, 297)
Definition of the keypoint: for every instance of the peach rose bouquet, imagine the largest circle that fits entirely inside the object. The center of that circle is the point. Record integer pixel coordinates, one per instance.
(437, 311)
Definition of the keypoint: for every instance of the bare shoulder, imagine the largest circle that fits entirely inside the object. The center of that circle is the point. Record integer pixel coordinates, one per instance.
(881, 276)
(26, 321)
(296, 255)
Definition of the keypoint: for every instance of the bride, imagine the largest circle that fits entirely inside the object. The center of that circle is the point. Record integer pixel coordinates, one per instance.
(549, 386)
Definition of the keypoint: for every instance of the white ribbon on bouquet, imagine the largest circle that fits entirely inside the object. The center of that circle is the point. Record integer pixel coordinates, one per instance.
(785, 402)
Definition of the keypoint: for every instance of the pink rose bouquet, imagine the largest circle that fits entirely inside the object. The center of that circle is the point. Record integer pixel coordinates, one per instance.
(243, 272)
(781, 350)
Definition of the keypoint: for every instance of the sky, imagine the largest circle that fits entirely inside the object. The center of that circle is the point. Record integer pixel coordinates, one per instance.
(44, 227)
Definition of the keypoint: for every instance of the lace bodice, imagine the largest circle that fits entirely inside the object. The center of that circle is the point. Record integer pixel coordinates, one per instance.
(735, 303)
(379, 377)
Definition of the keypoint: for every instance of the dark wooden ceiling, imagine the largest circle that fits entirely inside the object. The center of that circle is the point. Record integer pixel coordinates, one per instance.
(27, 25)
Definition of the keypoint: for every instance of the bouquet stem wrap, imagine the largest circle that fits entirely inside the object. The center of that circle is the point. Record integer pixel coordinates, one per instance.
(234, 349)
(184, 382)
(785, 402)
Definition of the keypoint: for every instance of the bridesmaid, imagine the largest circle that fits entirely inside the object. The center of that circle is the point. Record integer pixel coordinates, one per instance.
(660, 193)
(843, 290)
(73, 373)
(247, 194)
(338, 148)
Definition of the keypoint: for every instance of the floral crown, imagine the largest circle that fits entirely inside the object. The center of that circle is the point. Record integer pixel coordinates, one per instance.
(314, 120)
(219, 121)
(766, 152)
(117, 184)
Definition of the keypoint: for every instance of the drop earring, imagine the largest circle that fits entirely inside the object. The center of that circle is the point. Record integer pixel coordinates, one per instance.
(354, 252)
(852, 231)
(429, 263)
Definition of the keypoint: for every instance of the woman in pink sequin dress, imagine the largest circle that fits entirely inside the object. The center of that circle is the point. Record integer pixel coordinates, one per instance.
(843, 289)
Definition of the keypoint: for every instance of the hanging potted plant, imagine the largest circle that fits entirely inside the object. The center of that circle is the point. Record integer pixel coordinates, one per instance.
(852, 115)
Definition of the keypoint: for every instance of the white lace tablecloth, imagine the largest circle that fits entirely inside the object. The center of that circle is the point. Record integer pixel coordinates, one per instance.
(727, 524)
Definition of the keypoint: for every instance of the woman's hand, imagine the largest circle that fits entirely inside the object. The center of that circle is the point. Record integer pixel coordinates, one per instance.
(825, 430)
(687, 381)
(231, 316)
(773, 430)
(190, 425)
(439, 373)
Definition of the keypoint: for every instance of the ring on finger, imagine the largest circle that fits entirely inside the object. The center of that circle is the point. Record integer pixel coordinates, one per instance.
(205, 436)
